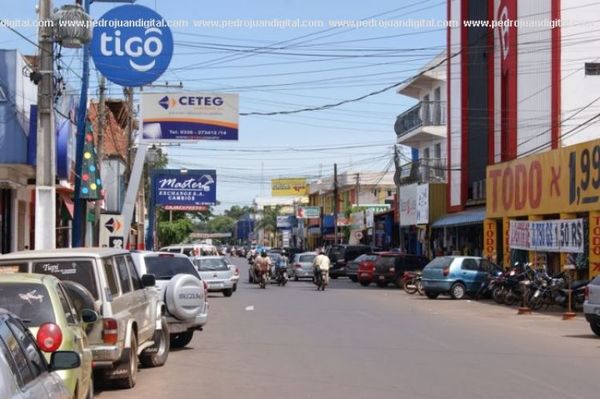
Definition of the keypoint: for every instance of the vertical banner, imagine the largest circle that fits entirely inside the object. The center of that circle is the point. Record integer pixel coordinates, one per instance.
(490, 240)
(505, 242)
(594, 255)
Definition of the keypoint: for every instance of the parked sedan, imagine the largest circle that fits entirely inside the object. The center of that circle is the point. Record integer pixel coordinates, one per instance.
(24, 372)
(44, 305)
(366, 270)
(352, 266)
(390, 267)
(591, 307)
(302, 265)
(457, 276)
(216, 272)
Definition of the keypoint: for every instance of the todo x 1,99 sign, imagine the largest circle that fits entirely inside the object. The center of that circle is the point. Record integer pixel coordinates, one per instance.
(132, 45)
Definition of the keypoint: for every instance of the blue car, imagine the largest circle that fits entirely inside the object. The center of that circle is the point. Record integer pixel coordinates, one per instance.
(457, 276)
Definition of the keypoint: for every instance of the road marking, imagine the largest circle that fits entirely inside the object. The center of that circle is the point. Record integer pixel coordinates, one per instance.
(249, 308)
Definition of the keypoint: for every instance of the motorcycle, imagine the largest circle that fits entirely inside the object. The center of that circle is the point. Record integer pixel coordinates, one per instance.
(412, 283)
(281, 276)
(321, 279)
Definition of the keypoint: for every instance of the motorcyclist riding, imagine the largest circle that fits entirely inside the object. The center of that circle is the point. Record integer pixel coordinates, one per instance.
(262, 264)
(320, 263)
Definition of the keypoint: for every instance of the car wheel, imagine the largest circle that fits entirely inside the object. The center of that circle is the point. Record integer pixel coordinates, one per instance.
(157, 354)
(595, 328)
(431, 295)
(227, 293)
(364, 283)
(354, 279)
(235, 287)
(180, 340)
(130, 354)
(458, 291)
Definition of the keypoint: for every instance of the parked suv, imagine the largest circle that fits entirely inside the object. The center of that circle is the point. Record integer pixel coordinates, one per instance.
(390, 267)
(133, 322)
(181, 289)
(341, 254)
(591, 307)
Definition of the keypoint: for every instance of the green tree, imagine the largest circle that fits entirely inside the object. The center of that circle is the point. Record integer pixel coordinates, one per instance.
(220, 224)
(236, 212)
(174, 232)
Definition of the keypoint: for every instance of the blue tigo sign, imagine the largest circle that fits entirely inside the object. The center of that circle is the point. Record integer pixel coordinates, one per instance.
(189, 116)
(132, 45)
(193, 188)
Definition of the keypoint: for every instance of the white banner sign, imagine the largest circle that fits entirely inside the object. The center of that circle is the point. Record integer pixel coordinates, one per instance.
(189, 116)
(547, 235)
(357, 220)
(369, 218)
(423, 204)
(408, 205)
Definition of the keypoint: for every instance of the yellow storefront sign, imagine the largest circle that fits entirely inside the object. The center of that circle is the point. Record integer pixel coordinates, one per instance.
(290, 187)
(557, 181)
(594, 255)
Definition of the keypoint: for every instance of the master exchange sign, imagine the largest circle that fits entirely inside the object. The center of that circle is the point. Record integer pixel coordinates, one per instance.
(191, 189)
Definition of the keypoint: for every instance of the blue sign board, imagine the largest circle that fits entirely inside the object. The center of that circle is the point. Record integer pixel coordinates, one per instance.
(192, 188)
(132, 45)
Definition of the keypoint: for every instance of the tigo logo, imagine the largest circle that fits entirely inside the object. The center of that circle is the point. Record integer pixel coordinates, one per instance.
(167, 102)
(132, 45)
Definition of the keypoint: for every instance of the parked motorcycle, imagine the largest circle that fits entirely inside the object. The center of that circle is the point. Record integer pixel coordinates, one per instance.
(412, 283)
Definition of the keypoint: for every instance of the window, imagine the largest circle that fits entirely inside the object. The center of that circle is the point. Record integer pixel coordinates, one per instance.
(211, 264)
(34, 359)
(437, 151)
(123, 274)
(12, 352)
(426, 153)
(165, 267)
(592, 68)
(70, 314)
(111, 278)
(135, 278)
(469, 264)
(79, 271)
(30, 301)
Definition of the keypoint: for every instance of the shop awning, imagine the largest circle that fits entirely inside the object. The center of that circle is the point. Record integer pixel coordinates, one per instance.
(464, 218)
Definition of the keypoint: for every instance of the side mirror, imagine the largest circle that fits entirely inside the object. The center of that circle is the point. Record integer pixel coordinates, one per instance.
(64, 360)
(89, 316)
(148, 280)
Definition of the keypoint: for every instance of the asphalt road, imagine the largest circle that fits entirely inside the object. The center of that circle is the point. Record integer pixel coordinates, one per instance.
(355, 342)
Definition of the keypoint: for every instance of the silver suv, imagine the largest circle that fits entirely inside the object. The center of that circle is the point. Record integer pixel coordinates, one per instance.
(591, 307)
(133, 323)
(181, 289)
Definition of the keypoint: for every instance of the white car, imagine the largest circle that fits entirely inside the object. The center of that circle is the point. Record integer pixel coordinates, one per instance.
(216, 272)
(235, 277)
(24, 372)
(182, 290)
(591, 306)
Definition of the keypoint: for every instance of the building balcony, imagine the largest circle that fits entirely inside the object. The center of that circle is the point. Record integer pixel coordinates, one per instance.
(424, 122)
(432, 170)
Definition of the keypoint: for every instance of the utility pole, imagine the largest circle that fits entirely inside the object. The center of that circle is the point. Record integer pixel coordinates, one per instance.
(357, 189)
(335, 204)
(45, 190)
(99, 151)
(398, 181)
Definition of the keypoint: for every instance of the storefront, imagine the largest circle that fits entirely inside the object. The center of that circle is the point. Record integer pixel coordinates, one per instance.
(548, 207)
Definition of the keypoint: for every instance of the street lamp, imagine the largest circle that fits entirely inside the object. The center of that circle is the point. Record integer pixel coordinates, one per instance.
(45, 190)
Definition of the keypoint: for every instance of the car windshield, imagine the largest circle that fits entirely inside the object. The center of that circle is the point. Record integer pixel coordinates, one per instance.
(387, 261)
(165, 267)
(79, 271)
(29, 301)
(365, 258)
(306, 258)
(212, 264)
(440, 262)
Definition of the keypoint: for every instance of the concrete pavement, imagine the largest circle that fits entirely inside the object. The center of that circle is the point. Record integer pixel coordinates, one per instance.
(356, 342)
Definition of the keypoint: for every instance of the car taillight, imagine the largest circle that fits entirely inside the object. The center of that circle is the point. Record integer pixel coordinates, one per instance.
(237, 271)
(110, 331)
(446, 271)
(298, 266)
(49, 337)
(586, 292)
